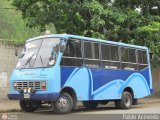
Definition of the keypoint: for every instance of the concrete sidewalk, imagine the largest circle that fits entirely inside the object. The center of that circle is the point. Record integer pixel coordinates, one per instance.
(9, 106)
(13, 105)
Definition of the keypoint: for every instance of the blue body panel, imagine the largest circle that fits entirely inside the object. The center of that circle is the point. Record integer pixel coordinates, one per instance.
(105, 84)
(104, 76)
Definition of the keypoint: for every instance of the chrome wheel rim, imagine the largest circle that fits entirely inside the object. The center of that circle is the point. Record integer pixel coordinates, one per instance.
(127, 101)
(63, 102)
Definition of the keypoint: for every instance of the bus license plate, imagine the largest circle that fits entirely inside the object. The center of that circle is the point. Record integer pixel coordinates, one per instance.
(27, 96)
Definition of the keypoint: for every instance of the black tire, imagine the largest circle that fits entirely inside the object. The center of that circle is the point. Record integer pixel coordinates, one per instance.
(90, 104)
(125, 102)
(64, 104)
(29, 106)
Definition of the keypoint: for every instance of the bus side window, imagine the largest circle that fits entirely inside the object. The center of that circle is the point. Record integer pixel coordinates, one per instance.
(110, 56)
(106, 56)
(91, 54)
(72, 55)
(115, 63)
(142, 59)
(128, 58)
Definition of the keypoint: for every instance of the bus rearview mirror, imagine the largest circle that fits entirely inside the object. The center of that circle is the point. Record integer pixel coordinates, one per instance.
(62, 47)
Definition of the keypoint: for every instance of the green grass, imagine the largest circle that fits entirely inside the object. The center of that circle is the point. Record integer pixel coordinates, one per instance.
(13, 27)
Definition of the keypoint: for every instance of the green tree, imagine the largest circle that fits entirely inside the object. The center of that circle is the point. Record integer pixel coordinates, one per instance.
(116, 20)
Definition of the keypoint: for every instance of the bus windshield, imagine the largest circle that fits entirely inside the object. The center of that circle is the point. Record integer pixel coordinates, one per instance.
(39, 53)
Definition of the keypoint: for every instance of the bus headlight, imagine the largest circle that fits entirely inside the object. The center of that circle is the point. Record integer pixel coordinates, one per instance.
(25, 90)
(15, 85)
(43, 85)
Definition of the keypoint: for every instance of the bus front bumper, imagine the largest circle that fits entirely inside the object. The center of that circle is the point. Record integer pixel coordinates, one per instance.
(38, 97)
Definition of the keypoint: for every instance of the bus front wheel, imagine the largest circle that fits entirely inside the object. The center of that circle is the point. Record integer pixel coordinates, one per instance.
(28, 105)
(125, 102)
(64, 104)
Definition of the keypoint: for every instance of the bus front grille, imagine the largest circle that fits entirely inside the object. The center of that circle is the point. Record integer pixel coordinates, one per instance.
(20, 85)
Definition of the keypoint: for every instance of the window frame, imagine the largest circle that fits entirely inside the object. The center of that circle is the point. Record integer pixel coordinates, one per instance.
(98, 60)
(142, 57)
(81, 49)
(141, 64)
(110, 61)
(77, 58)
(129, 63)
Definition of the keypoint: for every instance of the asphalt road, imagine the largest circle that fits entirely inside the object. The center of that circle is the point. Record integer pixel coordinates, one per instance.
(107, 112)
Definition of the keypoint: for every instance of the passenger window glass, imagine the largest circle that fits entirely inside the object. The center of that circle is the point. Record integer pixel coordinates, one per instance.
(114, 53)
(144, 54)
(91, 50)
(95, 51)
(91, 54)
(132, 55)
(73, 49)
(124, 54)
(105, 52)
(142, 59)
(110, 57)
(128, 55)
(128, 58)
(87, 49)
(72, 55)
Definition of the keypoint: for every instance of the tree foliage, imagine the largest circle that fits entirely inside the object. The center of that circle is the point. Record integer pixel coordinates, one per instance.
(131, 21)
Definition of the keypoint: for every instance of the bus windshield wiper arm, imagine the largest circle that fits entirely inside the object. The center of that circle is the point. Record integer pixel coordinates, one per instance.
(41, 61)
(27, 61)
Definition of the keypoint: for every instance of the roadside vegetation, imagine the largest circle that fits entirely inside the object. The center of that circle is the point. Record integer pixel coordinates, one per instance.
(13, 28)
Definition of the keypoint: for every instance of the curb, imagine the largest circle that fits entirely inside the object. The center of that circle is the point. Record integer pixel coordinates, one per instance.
(149, 100)
(11, 110)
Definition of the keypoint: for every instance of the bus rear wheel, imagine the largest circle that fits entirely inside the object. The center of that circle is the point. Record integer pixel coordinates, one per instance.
(90, 104)
(125, 102)
(64, 104)
(28, 105)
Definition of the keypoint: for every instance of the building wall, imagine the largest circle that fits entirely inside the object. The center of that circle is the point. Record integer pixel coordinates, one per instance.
(7, 62)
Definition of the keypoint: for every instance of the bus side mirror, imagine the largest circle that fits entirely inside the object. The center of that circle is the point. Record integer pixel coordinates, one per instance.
(62, 47)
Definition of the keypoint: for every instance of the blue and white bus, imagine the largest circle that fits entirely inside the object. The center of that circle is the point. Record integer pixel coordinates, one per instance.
(62, 69)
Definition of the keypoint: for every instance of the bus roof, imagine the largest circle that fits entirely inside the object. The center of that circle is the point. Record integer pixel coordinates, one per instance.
(88, 39)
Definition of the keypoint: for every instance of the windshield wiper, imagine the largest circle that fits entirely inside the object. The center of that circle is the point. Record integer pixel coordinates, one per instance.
(27, 61)
(41, 61)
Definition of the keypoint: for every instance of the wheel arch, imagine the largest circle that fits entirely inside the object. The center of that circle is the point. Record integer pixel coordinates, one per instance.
(129, 89)
(69, 90)
(125, 102)
(72, 93)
